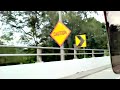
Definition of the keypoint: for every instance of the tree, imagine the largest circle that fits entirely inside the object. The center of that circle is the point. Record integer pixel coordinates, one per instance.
(1, 43)
(18, 21)
(39, 24)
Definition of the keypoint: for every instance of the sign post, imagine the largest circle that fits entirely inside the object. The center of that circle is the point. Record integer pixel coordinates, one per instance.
(61, 48)
(60, 33)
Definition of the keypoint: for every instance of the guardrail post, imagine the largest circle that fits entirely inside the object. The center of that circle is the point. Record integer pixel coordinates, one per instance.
(75, 52)
(106, 52)
(39, 57)
(84, 54)
(93, 53)
(62, 53)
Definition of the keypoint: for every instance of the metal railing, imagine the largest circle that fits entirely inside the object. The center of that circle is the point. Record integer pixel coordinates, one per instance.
(40, 54)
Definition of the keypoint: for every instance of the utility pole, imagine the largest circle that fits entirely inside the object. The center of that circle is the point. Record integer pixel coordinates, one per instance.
(61, 48)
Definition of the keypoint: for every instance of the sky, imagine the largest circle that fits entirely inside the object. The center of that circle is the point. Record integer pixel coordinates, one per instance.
(114, 17)
(99, 17)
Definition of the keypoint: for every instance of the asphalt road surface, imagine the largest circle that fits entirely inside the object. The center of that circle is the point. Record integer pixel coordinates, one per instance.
(105, 74)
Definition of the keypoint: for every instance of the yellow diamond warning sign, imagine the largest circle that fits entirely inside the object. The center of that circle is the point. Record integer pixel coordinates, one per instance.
(60, 33)
(80, 40)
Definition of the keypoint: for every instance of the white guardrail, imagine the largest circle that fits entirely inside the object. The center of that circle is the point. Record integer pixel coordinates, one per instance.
(40, 54)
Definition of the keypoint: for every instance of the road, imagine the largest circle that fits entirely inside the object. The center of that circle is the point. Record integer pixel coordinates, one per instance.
(105, 74)
(87, 68)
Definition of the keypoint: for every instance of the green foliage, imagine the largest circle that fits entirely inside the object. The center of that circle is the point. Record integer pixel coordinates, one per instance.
(16, 59)
(7, 60)
(106, 53)
(41, 23)
(7, 36)
(1, 43)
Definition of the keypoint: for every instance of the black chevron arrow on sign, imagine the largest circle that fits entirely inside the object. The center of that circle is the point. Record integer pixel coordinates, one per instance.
(81, 40)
